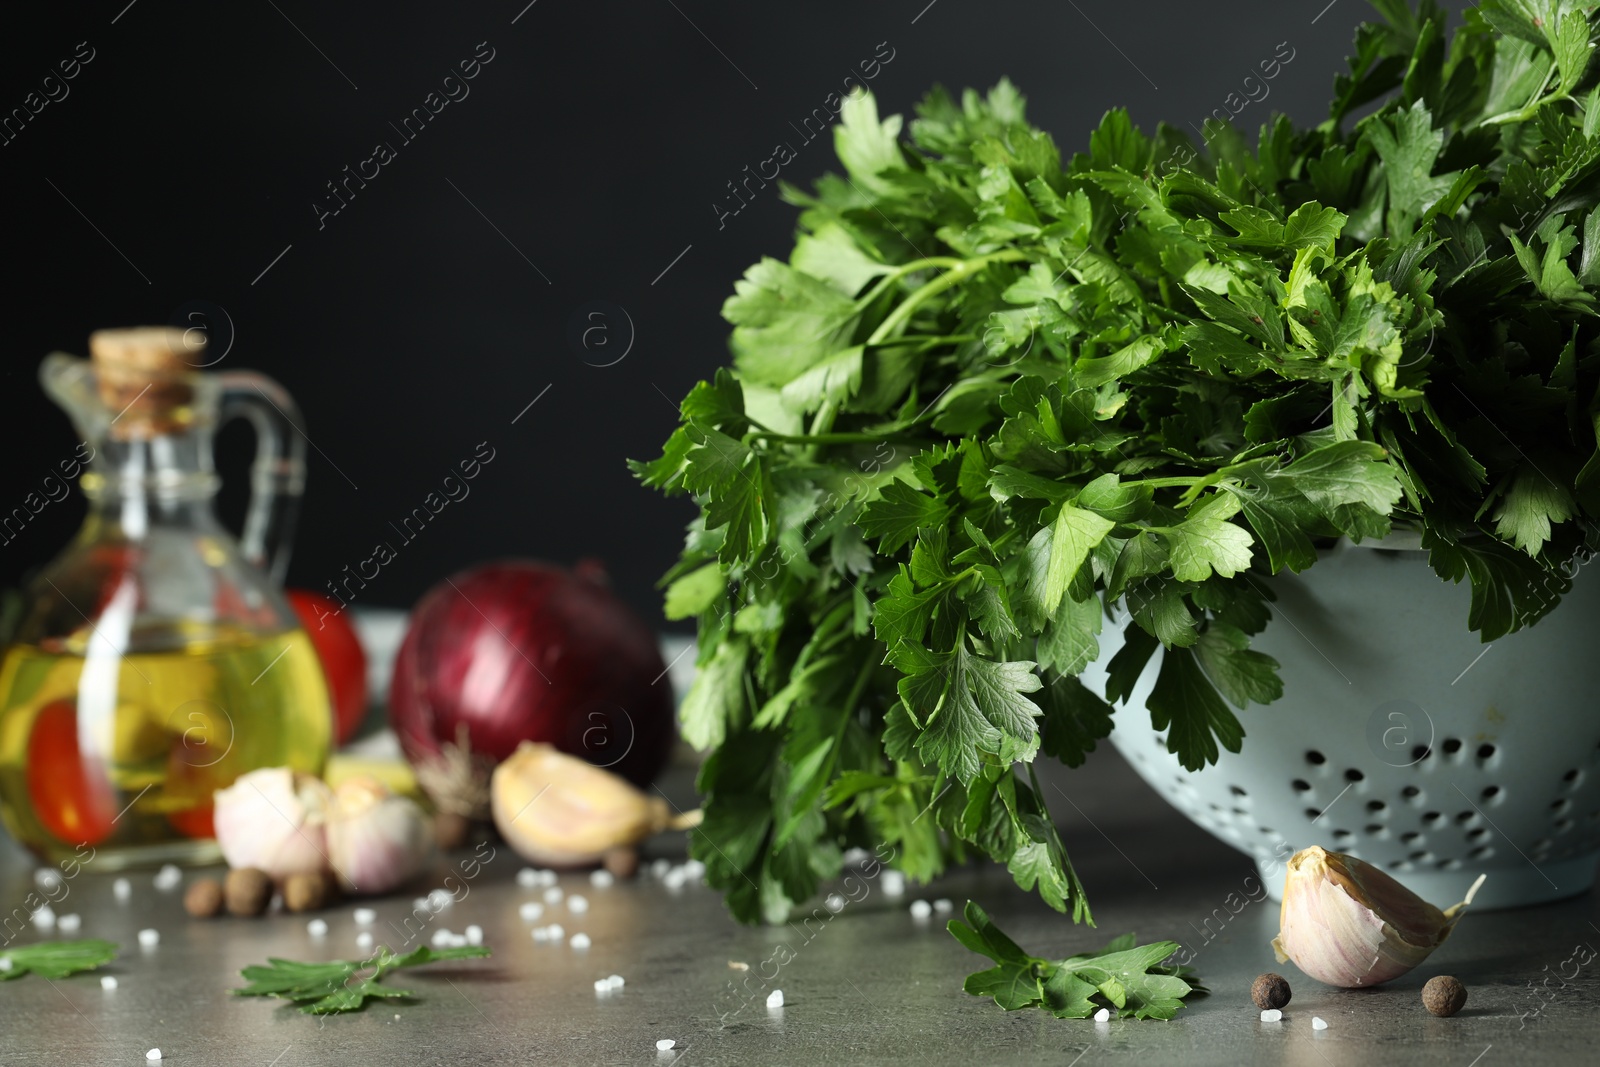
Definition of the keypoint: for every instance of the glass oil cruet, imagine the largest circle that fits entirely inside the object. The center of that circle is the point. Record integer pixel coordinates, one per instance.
(156, 659)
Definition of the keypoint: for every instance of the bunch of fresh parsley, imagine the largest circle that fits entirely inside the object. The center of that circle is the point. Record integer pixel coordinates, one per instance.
(994, 395)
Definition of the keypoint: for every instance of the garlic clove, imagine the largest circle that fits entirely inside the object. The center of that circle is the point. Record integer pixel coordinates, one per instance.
(272, 819)
(1348, 924)
(376, 840)
(561, 811)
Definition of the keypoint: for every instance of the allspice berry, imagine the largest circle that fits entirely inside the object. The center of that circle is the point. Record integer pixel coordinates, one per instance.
(622, 862)
(203, 899)
(307, 891)
(247, 891)
(1270, 991)
(1444, 995)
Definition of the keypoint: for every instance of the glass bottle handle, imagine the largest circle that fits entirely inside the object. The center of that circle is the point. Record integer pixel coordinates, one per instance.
(278, 476)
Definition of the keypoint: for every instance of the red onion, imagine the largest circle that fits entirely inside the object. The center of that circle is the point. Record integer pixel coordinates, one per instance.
(519, 651)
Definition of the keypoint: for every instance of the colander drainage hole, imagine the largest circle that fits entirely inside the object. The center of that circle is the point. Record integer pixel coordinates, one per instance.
(1353, 775)
(1432, 818)
(1479, 834)
(1300, 785)
(1420, 753)
(1465, 817)
(1486, 752)
(1315, 758)
(1451, 746)
(1376, 806)
(1491, 793)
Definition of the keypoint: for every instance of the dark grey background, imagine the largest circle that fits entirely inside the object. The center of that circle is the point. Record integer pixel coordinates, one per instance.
(427, 314)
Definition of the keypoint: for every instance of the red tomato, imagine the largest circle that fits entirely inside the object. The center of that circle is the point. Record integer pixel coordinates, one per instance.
(344, 664)
(71, 795)
(196, 822)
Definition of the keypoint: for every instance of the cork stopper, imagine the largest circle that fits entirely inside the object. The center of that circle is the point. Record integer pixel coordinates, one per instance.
(145, 375)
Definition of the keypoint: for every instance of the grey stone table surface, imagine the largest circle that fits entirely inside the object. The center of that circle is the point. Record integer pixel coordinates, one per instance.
(871, 985)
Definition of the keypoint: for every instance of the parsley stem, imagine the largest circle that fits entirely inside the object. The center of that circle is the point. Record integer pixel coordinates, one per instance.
(900, 272)
(823, 438)
(963, 270)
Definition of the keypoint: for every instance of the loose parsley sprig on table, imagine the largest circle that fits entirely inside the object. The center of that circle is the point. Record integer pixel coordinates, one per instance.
(995, 394)
(55, 959)
(1128, 980)
(342, 985)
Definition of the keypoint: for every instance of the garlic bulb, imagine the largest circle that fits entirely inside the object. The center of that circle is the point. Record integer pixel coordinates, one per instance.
(1346, 923)
(272, 819)
(376, 840)
(561, 811)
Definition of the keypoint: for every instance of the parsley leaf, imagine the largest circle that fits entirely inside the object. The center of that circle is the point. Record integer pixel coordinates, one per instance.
(342, 985)
(55, 959)
(1130, 980)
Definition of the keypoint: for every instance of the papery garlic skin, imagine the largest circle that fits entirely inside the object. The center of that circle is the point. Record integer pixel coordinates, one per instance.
(1348, 924)
(273, 819)
(376, 840)
(561, 811)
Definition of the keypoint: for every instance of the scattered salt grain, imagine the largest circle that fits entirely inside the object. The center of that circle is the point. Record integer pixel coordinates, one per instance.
(365, 916)
(1318, 1024)
(46, 877)
(942, 905)
(530, 911)
(921, 909)
(419, 904)
(540, 933)
(527, 878)
(363, 940)
(577, 905)
(659, 868)
(553, 895)
(121, 888)
(547, 877)
(834, 903)
(555, 931)
(69, 923)
(153, 1054)
(108, 982)
(894, 883)
(665, 1044)
(442, 938)
(474, 935)
(602, 986)
(856, 857)
(694, 870)
(45, 918)
(1272, 1015)
(1103, 1015)
(438, 900)
(149, 938)
(602, 879)
(674, 878)
(615, 981)
(317, 927)
(579, 941)
(5, 963)
(168, 877)
(775, 999)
